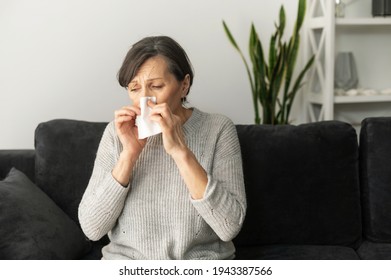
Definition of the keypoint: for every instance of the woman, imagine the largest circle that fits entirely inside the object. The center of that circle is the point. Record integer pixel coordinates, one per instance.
(175, 195)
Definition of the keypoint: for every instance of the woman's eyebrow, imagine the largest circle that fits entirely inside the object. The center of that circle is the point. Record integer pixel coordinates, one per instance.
(149, 79)
(152, 79)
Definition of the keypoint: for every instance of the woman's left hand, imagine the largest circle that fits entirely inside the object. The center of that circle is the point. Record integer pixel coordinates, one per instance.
(171, 125)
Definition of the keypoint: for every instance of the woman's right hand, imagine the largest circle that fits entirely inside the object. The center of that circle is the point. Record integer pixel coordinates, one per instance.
(125, 125)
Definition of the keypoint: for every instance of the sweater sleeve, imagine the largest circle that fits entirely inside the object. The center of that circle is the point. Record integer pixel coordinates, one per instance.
(104, 197)
(223, 206)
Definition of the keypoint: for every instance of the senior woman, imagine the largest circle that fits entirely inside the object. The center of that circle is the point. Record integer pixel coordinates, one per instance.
(178, 194)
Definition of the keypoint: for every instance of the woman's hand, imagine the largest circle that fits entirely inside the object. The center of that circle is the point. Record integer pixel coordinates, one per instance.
(175, 145)
(125, 125)
(171, 125)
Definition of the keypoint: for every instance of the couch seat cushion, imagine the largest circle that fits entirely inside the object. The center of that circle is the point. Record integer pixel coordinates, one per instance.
(374, 251)
(32, 226)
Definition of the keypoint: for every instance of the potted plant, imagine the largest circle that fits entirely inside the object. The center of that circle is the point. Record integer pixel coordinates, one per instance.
(267, 77)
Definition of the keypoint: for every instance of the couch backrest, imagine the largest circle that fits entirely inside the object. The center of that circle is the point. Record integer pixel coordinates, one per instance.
(302, 184)
(65, 154)
(301, 181)
(375, 172)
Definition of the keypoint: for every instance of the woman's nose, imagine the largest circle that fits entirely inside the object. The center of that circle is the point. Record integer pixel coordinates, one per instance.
(145, 92)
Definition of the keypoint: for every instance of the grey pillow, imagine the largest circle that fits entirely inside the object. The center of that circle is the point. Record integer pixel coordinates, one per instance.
(32, 226)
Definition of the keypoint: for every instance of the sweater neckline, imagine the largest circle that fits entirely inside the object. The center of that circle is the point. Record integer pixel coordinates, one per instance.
(193, 122)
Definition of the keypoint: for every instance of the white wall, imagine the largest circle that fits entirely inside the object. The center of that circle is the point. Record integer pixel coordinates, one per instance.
(59, 58)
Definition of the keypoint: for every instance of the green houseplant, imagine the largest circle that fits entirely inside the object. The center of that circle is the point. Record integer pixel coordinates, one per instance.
(267, 77)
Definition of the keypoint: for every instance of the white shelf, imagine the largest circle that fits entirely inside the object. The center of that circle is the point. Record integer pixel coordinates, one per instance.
(324, 34)
(375, 21)
(362, 99)
(317, 98)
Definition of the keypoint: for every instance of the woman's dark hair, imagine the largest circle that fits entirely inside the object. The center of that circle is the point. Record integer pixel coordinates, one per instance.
(177, 60)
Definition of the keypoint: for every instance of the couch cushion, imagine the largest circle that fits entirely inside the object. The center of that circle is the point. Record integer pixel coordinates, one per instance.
(375, 172)
(301, 183)
(374, 251)
(65, 154)
(296, 252)
(23, 160)
(32, 226)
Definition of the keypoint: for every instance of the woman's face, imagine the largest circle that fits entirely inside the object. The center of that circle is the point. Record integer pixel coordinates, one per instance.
(154, 79)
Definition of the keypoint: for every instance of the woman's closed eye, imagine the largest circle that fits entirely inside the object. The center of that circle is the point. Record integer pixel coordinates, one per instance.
(134, 89)
(157, 86)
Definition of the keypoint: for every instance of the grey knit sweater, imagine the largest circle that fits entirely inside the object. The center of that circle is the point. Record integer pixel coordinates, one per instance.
(155, 216)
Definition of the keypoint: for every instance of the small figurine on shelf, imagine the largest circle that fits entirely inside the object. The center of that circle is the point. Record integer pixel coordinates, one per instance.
(339, 8)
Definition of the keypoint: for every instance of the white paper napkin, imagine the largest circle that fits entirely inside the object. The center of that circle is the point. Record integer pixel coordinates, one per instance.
(145, 126)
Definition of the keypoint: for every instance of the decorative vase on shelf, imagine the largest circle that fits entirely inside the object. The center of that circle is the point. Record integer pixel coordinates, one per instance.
(345, 72)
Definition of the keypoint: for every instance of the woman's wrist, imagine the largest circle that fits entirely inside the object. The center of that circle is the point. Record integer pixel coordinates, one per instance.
(123, 169)
(181, 154)
(129, 155)
(192, 172)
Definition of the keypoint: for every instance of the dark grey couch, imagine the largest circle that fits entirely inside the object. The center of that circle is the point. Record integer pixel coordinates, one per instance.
(312, 191)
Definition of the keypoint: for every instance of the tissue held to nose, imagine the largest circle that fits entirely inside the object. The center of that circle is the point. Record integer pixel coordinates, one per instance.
(146, 127)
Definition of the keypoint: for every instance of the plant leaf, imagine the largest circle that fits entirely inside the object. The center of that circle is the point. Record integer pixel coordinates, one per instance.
(281, 26)
(297, 85)
(300, 15)
(272, 52)
(230, 37)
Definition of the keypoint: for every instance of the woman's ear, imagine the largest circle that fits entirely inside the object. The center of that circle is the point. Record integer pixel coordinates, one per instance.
(185, 86)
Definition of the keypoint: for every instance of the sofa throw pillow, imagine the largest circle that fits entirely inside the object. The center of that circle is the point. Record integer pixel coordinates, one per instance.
(32, 226)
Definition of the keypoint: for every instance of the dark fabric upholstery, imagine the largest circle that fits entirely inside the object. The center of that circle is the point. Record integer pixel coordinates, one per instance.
(95, 253)
(375, 172)
(65, 154)
(302, 185)
(374, 251)
(296, 252)
(32, 226)
(301, 181)
(20, 159)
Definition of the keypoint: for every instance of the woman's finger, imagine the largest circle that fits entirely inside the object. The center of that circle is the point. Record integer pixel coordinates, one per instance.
(129, 110)
(163, 111)
(122, 119)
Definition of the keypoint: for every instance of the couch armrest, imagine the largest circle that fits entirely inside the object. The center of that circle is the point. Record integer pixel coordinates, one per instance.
(375, 181)
(24, 160)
